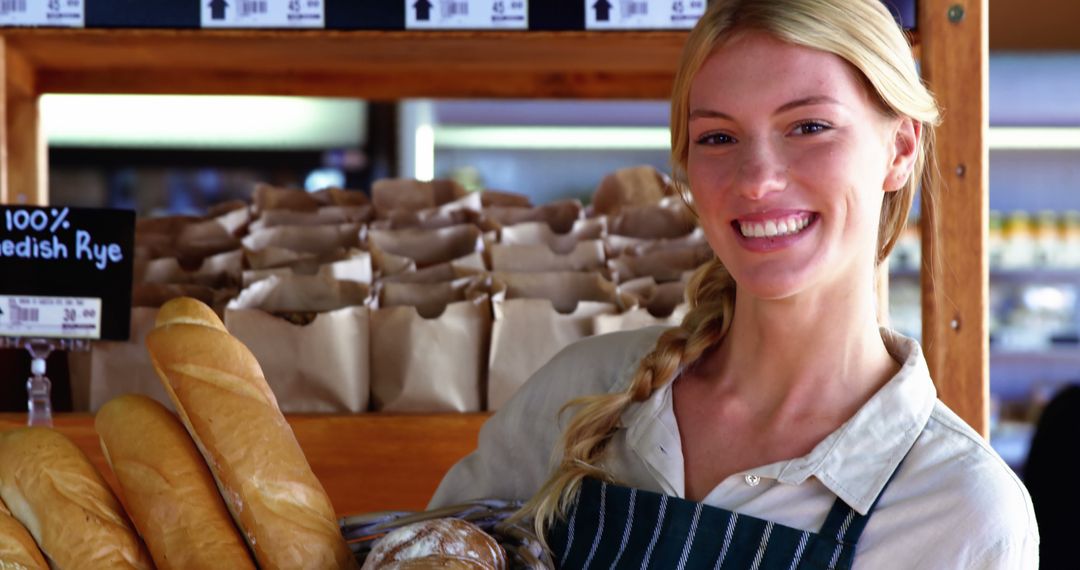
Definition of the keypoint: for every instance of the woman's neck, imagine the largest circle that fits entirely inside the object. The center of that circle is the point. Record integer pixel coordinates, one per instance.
(802, 357)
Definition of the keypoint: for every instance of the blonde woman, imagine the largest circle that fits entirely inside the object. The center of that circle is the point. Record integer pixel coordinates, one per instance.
(778, 426)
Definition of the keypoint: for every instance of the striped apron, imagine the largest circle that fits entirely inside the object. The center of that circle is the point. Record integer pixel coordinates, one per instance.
(614, 527)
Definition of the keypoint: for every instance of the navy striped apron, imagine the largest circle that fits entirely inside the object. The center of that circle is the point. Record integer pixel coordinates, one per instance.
(612, 527)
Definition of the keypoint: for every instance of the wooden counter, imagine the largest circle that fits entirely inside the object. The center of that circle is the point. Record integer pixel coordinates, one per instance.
(366, 462)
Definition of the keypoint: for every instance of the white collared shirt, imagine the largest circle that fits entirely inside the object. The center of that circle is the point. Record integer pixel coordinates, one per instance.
(953, 503)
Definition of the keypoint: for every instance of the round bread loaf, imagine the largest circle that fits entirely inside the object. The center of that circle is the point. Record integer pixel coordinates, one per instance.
(437, 543)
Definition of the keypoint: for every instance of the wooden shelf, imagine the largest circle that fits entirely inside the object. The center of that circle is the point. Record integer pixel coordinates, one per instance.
(366, 462)
(367, 64)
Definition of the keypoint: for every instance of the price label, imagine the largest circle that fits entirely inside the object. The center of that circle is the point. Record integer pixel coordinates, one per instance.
(466, 14)
(50, 317)
(642, 14)
(263, 14)
(56, 13)
(66, 272)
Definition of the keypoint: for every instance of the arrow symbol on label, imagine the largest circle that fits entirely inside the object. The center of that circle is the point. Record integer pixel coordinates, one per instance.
(217, 9)
(423, 9)
(603, 10)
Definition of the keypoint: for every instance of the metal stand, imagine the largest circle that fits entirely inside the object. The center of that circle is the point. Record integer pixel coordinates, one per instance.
(38, 386)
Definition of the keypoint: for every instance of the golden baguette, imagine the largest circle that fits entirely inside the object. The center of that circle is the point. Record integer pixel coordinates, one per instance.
(167, 488)
(58, 495)
(228, 409)
(17, 548)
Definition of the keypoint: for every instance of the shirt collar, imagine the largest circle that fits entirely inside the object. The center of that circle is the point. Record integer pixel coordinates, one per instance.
(854, 462)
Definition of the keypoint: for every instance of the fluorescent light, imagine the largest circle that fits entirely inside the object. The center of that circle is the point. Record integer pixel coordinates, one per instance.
(1034, 138)
(553, 138)
(172, 121)
(425, 153)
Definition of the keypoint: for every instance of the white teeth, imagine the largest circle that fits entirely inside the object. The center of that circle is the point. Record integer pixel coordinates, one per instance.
(774, 228)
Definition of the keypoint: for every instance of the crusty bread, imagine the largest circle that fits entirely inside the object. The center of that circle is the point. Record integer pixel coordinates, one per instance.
(453, 543)
(228, 409)
(55, 492)
(167, 488)
(17, 547)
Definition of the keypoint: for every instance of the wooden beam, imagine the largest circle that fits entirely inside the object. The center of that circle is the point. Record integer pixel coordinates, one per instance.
(23, 165)
(955, 333)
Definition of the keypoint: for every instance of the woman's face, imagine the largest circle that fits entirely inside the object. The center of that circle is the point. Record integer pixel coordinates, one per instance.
(789, 160)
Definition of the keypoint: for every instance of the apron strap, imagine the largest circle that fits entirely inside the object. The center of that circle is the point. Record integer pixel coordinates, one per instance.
(845, 524)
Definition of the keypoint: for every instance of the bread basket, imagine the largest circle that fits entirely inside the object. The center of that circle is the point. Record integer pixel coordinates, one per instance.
(523, 549)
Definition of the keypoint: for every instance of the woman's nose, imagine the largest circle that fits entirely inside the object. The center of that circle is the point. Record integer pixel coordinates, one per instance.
(761, 173)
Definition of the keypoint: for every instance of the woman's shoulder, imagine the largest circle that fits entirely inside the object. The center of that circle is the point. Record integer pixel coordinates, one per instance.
(963, 486)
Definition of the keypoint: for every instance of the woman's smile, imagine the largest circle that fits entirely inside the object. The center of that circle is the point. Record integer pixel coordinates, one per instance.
(773, 230)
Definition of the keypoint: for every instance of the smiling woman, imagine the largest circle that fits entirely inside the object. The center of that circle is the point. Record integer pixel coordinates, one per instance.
(778, 426)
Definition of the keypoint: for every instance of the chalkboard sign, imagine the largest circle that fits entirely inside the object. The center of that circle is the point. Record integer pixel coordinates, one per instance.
(65, 272)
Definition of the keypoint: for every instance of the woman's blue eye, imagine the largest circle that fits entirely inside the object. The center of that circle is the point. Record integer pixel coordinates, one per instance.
(714, 139)
(811, 127)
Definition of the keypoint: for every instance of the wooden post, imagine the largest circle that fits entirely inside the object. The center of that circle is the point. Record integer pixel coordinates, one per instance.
(955, 334)
(23, 164)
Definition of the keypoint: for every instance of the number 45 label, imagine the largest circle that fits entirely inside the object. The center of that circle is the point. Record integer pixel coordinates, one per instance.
(466, 14)
(57, 13)
(263, 14)
(642, 14)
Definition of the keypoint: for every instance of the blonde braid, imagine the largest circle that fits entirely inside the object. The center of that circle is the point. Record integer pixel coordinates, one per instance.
(711, 294)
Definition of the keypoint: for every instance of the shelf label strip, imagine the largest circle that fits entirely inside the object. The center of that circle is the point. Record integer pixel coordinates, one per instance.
(50, 317)
(51, 13)
(263, 14)
(466, 14)
(642, 14)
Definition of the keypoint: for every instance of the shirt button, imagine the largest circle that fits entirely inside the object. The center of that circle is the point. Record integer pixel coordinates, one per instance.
(752, 479)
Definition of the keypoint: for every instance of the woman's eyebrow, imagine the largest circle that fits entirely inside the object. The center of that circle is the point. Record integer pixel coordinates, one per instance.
(801, 102)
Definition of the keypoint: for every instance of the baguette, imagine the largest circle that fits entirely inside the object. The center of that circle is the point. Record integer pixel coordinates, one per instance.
(55, 492)
(17, 548)
(228, 409)
(167, 488)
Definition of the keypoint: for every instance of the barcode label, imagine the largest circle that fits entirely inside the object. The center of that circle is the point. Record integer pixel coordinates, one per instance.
(453, 8)
(642, 14)
(51, 13)
(253, 7)
(50, 317)
(631, 9)
(466, 14)
(263, 14)
(12, 6)
(20, 315)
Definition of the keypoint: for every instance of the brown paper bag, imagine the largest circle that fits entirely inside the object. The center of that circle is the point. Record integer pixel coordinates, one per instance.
(536, 316)
(427, 247)
(629, 188)
(266, 197)
(326, 215)
(467, 266)
(392, 194)
(667, 219)
(663, 304)
(307, 239)
(587, 255)
(217, 271)
(662, 265)
(539, 233)
(619, 245)
(317, 367)
(334, 196)
(429, 347)
(559, 215)
(464, 210)
(357, 268)
(188, 238)
(490, 198)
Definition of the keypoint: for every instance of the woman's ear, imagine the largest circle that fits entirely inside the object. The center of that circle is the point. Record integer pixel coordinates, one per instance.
(906, 138)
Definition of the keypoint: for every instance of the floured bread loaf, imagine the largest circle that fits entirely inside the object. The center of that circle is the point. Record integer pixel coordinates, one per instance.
(228, 409)
(17, 548)
(58, 495)
(437, 543)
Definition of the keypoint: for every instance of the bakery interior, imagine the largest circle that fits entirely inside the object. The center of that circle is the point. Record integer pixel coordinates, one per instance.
(186, 154)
